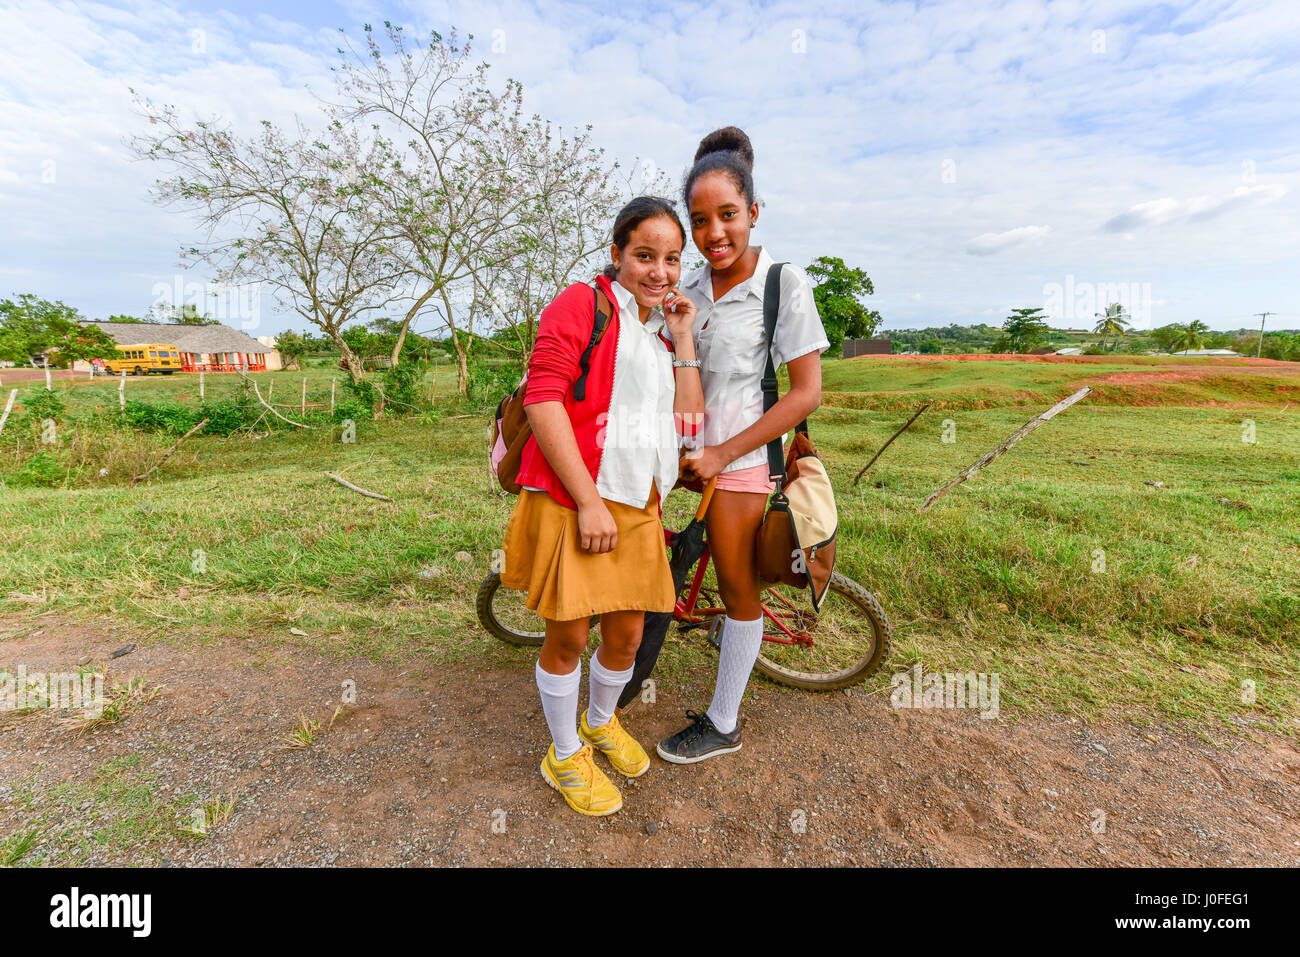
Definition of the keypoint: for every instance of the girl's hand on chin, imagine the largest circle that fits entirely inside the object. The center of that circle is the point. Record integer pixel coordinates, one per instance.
(679, 313)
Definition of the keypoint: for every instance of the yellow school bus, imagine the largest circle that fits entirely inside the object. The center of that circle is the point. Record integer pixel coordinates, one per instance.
(143, 359)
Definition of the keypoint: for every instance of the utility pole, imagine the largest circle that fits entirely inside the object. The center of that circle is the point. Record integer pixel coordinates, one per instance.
(1262, 317)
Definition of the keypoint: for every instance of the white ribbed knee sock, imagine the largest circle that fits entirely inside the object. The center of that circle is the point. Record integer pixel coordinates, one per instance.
(741, 641)
(604, 688)
(560, 705)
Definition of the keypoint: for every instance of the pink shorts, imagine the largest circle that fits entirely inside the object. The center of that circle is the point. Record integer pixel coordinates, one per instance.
(756, 478)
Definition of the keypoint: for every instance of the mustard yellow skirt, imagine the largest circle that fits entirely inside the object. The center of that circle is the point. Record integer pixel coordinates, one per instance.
(544, 557)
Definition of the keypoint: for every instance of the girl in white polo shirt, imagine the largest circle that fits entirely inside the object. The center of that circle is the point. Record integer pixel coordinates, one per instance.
(731, 343)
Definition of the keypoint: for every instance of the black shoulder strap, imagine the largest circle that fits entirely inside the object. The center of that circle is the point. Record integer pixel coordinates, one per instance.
(601, 319)
(771, 307)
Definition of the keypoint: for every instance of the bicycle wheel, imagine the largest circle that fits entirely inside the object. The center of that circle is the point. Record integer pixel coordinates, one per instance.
(839, 646)
(504, 614)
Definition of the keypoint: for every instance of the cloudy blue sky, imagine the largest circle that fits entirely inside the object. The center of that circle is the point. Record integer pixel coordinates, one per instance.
(969, 155)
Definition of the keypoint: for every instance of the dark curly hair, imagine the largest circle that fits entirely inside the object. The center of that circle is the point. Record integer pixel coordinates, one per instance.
(633, 215)
(727, 150)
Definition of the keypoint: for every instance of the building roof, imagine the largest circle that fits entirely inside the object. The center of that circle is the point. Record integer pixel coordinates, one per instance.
(196, 339)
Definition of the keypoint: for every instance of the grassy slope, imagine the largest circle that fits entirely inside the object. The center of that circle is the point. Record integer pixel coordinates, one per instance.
(1195, 597)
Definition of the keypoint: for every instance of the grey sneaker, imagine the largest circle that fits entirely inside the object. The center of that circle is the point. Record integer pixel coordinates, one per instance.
(698, 741)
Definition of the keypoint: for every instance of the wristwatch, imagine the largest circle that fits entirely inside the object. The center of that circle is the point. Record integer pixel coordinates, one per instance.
(686, 363)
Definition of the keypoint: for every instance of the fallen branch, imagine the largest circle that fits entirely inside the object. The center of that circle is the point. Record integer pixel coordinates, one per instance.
(356, 488)
(915, 416)
(1006, 443)
(168, 454)
(257, 392)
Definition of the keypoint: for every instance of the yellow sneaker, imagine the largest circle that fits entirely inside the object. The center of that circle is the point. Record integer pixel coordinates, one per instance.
(584, 786)
(626, 756)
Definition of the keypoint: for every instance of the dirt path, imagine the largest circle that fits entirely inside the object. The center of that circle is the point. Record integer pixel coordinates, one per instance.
(420, 769)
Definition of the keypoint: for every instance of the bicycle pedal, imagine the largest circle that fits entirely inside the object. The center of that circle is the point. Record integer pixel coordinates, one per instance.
(715, 632)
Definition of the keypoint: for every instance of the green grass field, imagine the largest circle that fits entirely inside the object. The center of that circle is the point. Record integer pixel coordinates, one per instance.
(1089, 591)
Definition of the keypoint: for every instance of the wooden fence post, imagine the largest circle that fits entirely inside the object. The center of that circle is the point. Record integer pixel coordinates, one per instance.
(201, 393)
(8, 405)
(303, 408)
(333, 382)
(121, 392)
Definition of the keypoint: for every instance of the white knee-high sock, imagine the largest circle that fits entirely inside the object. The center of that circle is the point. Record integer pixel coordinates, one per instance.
(604, 688)
(741, 641)
(560, 705)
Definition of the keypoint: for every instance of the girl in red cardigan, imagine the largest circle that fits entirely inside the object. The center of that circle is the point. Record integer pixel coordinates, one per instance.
(585, 537)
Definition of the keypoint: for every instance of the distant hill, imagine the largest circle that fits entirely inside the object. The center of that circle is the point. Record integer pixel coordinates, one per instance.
(939, 340)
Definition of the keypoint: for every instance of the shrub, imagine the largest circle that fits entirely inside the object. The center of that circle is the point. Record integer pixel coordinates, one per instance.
(355, 409)
(225, 416)
(160, 417)
(44, 404)
(490, 380)
(41, 469)
(402, 387)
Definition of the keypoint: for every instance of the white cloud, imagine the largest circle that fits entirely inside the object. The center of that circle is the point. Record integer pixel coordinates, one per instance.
(989, 243)
(1161, 212)
(854, 137)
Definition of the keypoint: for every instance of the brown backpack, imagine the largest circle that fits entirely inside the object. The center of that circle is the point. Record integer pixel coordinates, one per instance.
(510, 428)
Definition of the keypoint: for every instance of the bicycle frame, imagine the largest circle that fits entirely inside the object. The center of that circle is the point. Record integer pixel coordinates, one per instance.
(685, 610)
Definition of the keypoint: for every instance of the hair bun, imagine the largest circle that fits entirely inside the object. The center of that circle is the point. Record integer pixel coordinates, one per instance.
(730, 139)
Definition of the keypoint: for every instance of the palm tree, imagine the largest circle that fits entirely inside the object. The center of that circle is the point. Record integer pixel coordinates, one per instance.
(1191, 337)
(1112, 322)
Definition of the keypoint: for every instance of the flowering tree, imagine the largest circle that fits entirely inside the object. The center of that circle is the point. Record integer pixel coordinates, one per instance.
(574, 198)
(288, 210)
(425, 190)
(488, 209)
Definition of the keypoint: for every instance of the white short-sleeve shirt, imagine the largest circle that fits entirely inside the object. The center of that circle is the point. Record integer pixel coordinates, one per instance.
(730, 342)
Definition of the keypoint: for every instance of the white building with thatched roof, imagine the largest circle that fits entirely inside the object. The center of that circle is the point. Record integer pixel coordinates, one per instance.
(212, 348)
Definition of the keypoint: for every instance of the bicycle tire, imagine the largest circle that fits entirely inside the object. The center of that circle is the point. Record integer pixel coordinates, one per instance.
(488, 617)
(865, 603)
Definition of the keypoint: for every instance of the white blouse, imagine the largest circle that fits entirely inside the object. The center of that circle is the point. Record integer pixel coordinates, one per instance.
(730, 340)
(637, 436)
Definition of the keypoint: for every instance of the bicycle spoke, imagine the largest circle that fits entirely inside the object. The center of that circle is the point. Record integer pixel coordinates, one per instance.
(831, 645)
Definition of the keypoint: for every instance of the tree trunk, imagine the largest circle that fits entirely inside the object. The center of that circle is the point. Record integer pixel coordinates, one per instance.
(406, 322)
(462, 366)
(462, 347)
(351, 358)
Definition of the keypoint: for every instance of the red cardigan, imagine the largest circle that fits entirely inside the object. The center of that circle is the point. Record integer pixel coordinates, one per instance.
(562, 334)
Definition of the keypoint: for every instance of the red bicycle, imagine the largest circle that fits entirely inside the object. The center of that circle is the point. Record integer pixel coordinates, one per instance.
(838, 645)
